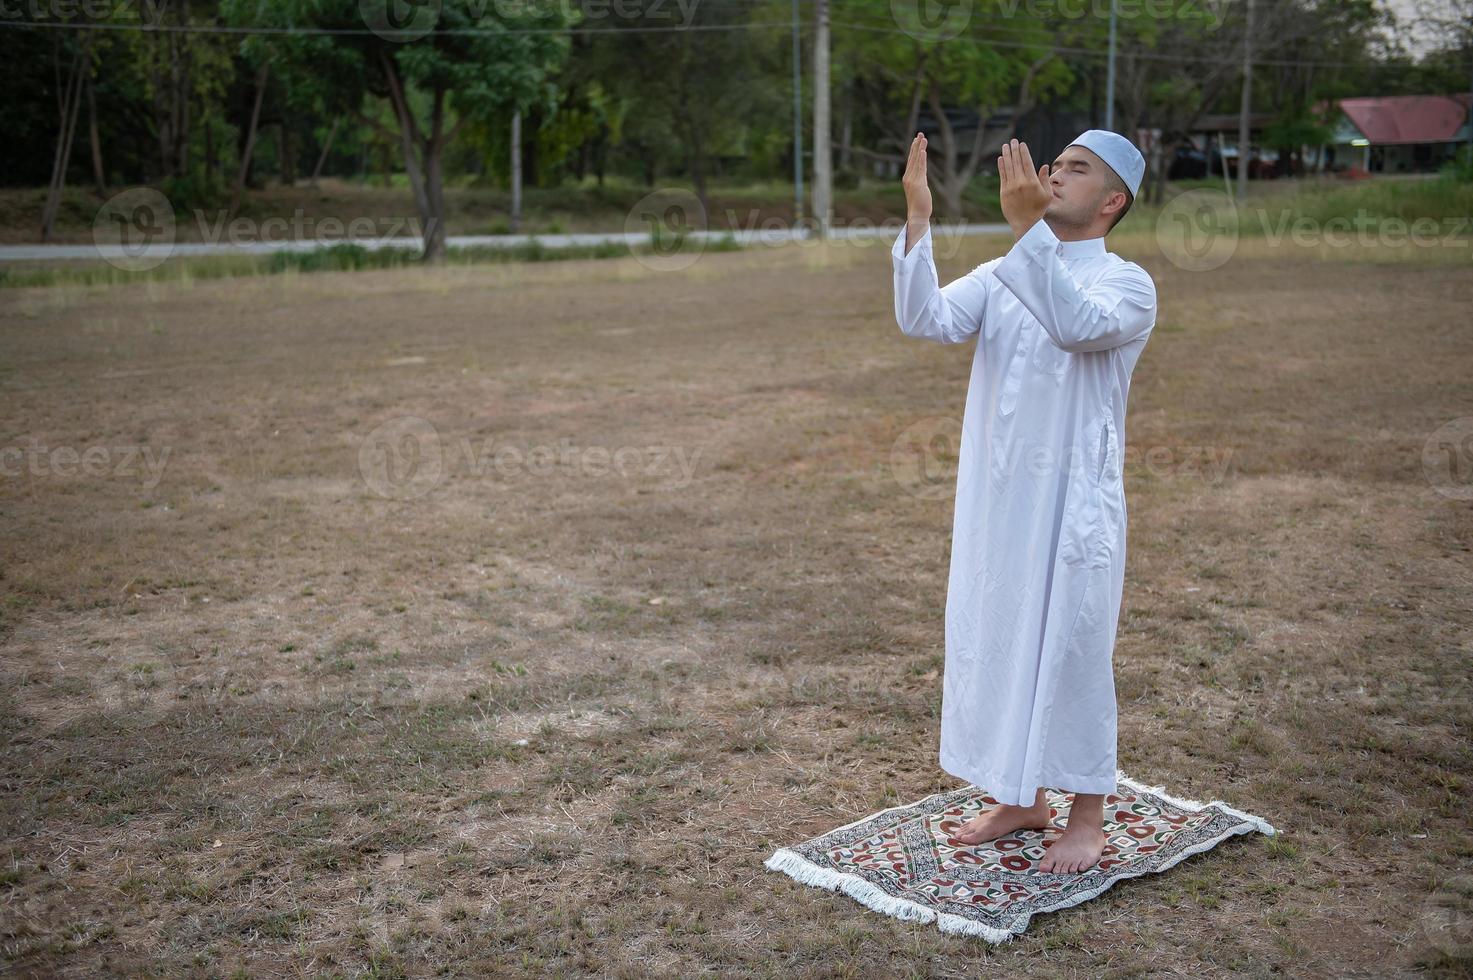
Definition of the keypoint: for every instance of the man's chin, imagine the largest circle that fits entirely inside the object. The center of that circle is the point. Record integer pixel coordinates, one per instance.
(1058, 216)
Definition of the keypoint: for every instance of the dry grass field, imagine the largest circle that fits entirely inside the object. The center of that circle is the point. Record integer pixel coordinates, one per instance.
(664, 594)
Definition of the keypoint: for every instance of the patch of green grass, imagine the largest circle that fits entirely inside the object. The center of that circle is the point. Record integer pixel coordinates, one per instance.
(344, 257)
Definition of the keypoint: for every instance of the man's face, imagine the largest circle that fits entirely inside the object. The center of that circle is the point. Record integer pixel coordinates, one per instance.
(1078, 181)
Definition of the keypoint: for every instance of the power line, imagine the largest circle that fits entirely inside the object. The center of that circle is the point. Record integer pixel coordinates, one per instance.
(974, 38)
(387, 33)
(1145, 55)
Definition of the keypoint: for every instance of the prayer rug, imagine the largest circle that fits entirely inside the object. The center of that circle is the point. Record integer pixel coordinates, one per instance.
(903, 861)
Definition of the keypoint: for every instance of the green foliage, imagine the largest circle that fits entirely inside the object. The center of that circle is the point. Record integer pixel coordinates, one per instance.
(1459, 170)
(195, 190)
(339, 258)
(649, 108)
(1297, 126)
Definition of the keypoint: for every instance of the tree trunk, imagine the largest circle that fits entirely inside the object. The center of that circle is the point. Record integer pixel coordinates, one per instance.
(846, 130)
(695, 156)
(600, 154)
(580, 162)
(410, 142)
(1162, 152)
(326, 148)
(917, 95)
(162, 117)
(250, 142)
(286, 160)
(648, 166)
(99, 175)
(71, 107)
(956, 172)
(183, 97)
(952, 176)
(434, 228)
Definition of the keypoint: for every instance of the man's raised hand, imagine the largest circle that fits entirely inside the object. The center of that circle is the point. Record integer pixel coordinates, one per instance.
(917, 192)
(1023, 193)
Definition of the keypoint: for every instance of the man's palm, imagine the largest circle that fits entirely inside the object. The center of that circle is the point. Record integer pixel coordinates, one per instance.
(1023, 193)
(917, 191)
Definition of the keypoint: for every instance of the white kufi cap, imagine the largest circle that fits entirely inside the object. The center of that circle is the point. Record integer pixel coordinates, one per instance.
(1118, 152)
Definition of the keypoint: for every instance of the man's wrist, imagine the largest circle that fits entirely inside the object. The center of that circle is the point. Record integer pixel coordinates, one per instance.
(1020, 228)
(915, 230)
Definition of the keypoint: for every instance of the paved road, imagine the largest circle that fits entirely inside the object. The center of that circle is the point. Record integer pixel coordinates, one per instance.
(42, 253)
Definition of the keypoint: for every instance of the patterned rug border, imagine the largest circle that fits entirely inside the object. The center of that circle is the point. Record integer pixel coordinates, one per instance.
(806, 872)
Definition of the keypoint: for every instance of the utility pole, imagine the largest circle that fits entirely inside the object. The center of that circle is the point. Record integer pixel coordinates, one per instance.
(1244, 107)
(823, 169)
(516, 171)
(1110, 76)
(797, 123)
(1470, 106)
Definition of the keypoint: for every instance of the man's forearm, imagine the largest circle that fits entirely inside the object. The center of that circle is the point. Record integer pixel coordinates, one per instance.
(915, 230)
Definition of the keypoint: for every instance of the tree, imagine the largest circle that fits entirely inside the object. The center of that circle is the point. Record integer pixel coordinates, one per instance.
(448, 66)
(996, 84)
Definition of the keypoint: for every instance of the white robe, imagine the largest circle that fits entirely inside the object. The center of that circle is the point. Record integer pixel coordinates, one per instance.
(1038, 533)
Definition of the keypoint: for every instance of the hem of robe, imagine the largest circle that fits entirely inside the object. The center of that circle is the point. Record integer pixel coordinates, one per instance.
(1008, 792)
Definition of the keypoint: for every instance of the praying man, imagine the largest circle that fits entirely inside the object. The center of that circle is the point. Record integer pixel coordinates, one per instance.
(1038, 533)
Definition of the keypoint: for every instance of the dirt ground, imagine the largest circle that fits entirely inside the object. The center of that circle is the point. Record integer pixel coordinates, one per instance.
(502, 620)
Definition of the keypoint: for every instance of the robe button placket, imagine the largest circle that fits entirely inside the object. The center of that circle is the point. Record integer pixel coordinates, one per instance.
(1014, 379)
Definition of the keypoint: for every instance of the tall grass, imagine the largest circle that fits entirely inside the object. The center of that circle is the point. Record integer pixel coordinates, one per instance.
(336, 258)
(1445, 196)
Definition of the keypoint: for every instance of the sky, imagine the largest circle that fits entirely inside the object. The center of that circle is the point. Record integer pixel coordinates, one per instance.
(1406, 9)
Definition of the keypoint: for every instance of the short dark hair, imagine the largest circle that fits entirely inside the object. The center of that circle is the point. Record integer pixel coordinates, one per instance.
(1113, 183)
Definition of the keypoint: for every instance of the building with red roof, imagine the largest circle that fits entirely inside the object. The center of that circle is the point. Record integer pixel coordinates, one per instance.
(1375, 134)
(1398, 133)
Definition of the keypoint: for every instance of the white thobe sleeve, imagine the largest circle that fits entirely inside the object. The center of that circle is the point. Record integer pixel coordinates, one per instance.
(949, 315)
(1115, 310)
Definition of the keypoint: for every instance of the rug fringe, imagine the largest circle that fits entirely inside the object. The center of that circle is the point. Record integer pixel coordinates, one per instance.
(1258, 823)
(799, 868)
(802, 870)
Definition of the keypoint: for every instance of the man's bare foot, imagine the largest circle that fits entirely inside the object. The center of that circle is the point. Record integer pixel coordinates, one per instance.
(1002, 820)
(1075, 850)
